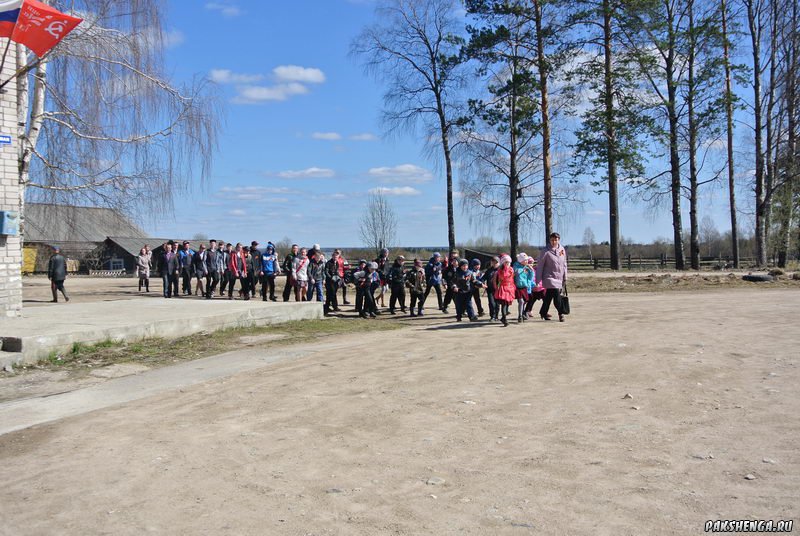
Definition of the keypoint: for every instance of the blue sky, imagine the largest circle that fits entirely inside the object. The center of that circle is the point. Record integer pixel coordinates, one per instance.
(302, 142)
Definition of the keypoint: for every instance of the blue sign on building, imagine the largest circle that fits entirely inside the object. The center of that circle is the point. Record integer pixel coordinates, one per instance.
(5, 139)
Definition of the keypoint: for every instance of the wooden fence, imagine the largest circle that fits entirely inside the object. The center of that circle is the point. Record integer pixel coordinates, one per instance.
(662, 263)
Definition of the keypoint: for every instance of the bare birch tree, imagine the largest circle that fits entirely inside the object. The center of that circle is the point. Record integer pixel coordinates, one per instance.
(415, 50)
(101, 123)
(378, 223)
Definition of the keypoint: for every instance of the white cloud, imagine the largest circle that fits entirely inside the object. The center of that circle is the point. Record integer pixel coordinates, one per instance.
(174, 38)
(255, 193)
(404, 173)
(227, 10)
(289, 80)
(226, 76)
(237, 213)
(309, 173)
(367, 136)
(399, 191)
(259, 94)
(329, 136)
(295, 73)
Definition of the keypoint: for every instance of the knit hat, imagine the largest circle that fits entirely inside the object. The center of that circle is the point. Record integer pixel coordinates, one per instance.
(437, 254)
(522, 258)
(475, 262)
(463, 262)
(505, 259)
(373, 265)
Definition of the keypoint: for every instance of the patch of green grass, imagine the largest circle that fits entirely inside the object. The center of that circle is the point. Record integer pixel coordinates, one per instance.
(53, 358)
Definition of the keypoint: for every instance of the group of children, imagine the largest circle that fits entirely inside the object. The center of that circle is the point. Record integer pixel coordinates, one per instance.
(454, 280)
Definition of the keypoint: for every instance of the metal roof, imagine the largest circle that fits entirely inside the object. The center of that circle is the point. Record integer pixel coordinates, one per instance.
(51, 223)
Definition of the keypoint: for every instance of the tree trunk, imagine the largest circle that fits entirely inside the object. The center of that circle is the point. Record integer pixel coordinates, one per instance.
(772, 146)
(30, 135)
(694, 238)
(791, 95)
(755, 38)
(513, 219)
(729, 118)
(611, 139)
(674, 159)
(448, 163)
(543, 76)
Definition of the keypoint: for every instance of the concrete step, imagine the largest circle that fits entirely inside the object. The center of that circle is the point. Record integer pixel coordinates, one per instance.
(10, 359)
(42, 330)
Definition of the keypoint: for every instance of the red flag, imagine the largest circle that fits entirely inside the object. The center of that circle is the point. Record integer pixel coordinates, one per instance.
(41, 27)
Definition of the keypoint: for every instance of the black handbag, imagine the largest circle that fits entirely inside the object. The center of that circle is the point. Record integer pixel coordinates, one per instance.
(564, 300)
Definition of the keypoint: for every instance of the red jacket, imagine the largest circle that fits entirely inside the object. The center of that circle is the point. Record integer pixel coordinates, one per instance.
(233, 264)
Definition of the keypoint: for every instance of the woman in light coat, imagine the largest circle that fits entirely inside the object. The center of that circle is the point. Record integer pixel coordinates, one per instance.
(551, 271)
(144, 261)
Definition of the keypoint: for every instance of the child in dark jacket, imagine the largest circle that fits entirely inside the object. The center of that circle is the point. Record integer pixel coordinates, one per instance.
(270, 268)
(396, 279)
(489, 283)
(415, 281)
(449, 274)
(433, 276)
(360, 279)
(463, 283)
(475, 268)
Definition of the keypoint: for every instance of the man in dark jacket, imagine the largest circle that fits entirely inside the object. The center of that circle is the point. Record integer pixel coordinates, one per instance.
(199, 267)
(57, 273)
(169, 271)
(213, 265)
(186, 264)
(226, 251)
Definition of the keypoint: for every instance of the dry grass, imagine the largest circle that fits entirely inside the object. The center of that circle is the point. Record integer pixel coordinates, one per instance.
(666, 282)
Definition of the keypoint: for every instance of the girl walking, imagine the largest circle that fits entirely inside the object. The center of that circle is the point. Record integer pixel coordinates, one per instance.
(505, 289)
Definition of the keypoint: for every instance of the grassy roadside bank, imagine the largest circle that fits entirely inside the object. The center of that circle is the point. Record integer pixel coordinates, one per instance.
(157, 352)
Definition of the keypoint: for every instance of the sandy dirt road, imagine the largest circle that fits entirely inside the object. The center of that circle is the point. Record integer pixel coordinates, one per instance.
(446, 428)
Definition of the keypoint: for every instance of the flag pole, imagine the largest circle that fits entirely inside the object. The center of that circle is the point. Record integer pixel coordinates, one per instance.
(5, 53)
(24, 70)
